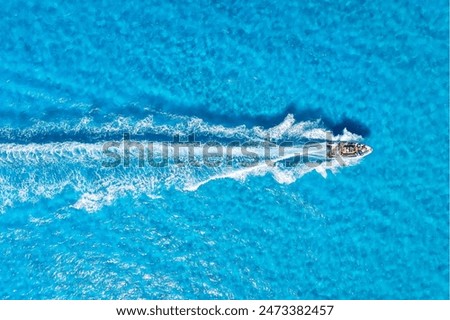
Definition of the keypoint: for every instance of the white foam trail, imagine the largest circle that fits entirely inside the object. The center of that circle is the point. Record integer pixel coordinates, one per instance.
(33, 171)
(288, 129)
(260, 169)
(33, 153)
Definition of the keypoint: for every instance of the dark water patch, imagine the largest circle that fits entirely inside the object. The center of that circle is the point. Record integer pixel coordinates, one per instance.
(263, 120)
(335, 125)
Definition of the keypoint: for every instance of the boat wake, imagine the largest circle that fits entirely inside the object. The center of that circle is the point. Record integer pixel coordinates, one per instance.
(45, 159)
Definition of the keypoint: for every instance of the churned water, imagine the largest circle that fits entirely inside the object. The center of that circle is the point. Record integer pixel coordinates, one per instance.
(75, 76)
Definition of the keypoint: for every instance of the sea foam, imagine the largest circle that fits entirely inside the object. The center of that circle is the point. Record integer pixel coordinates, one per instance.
(71, 155)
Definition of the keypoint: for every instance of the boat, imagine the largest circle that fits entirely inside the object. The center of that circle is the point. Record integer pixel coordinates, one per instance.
(348, 150)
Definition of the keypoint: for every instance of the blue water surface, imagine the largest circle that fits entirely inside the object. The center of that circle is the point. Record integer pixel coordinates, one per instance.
(73, 72)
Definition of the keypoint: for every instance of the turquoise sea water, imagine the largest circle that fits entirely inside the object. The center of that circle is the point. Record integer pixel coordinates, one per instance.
(73, 76)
